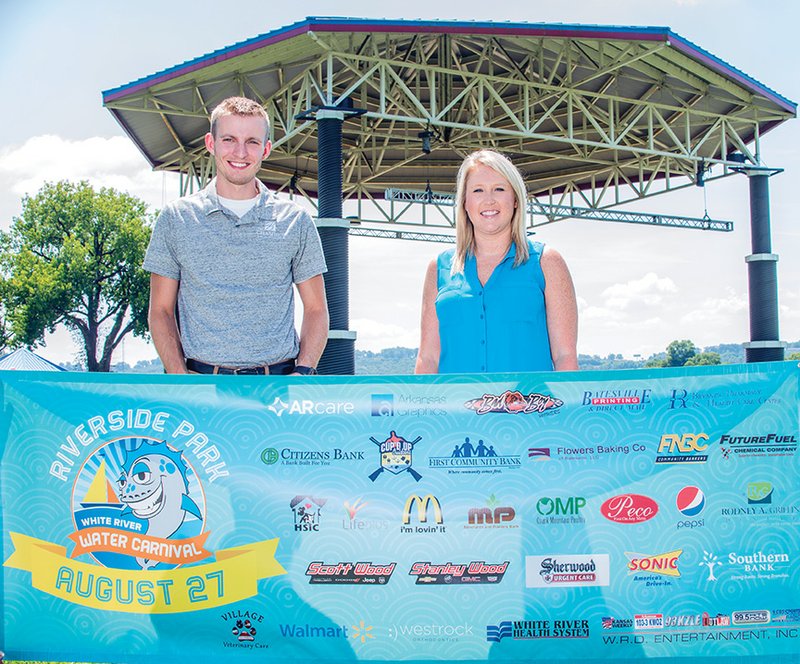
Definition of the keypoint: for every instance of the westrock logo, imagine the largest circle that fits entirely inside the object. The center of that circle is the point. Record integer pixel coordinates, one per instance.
(306, 510)
(650, 570)
(288, 456)
(477, 571)
(430, 632)
(310, 407)
(682, 448)
(515, 403)
(628, 399)
(525, 630)
(768, 445)
(414, 405)
(471, 457)
(396, 456)
(491, 516)
(566, 570)
(558, 510)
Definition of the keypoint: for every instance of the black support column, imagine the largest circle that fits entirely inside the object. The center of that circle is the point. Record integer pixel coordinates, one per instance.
(762, 273)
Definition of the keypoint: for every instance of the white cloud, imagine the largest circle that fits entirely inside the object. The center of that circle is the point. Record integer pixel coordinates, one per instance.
(374, 335)
(714, 308)
(648, 291)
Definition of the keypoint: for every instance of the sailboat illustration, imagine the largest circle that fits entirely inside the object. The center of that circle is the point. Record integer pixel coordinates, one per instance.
(101, 492)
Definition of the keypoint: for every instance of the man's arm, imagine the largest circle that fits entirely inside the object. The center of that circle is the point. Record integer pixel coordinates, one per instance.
(163, 325)
(314, 328)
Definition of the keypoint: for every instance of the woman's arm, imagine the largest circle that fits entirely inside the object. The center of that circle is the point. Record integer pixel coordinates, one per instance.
(429, 345)
(561, 310)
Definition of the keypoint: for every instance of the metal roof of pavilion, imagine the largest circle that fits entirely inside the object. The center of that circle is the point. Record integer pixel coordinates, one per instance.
(608, 113)
(23, 359)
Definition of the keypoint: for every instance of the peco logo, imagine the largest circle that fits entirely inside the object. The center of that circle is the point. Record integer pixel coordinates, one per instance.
(629, 508)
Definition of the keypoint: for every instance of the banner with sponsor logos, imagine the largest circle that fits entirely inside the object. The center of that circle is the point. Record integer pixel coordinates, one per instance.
(602, 515)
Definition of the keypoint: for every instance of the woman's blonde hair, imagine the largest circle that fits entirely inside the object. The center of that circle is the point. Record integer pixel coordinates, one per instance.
(465, 234)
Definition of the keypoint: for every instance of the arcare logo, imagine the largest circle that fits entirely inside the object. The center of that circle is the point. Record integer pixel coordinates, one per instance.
(767, 445)
(423, 504)
(682, 448)
(491, 516)
(560, 510)
(629, 399)
(526, 630)
(566, 570)
(514, 403)
(306, 510)
(310, 407)
(629, 508)
(396, 456)
(475, 457)
(650, 569)
(477, 571)
(759, 493)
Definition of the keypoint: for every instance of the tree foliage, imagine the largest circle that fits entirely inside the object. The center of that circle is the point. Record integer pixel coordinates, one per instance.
(74, 257)
(703, 359)
(679, 352)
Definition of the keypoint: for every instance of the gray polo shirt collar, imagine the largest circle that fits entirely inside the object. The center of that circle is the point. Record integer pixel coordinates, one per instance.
(263, 210)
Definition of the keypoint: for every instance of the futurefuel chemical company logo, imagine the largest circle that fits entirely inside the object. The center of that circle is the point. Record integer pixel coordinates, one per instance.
(560, 510)
(628, 399)
(475, 457)
(310, 407)
(767, 445)
(650, 569)
(526, 630)
(682, 448)
(567, 570)
(515, 403)
(629, 508)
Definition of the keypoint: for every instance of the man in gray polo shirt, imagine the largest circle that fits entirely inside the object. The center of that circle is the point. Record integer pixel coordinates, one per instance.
(228, 257)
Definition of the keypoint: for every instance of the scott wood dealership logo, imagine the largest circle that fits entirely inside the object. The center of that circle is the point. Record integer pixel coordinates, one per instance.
(515, 403)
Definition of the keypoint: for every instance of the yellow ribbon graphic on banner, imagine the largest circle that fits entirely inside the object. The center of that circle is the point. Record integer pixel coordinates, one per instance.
(231, 578)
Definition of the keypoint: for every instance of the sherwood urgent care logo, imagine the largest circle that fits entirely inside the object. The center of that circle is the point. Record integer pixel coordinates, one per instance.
(140, 513)
(567, 570)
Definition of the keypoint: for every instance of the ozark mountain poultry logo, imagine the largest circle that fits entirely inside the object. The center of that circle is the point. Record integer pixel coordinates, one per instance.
(396, 456)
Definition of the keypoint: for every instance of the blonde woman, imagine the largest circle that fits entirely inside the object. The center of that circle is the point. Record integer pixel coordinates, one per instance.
(498, 301)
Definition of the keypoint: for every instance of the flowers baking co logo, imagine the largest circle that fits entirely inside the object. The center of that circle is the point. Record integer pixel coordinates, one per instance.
(306, 510)
(515, 403)
(566, 570)
(310, 407)
(650, 569)
(628, 399)
(480, 457)
(682, 448)
(477, 571)
(690, 502)
(362, 573)
(591, 453)
(396, 456)
(629, 508)
(423, 503)
(491, 516)
(525, 630)
(413, 405)
(139, 512)
(767, 445)
(558, 510)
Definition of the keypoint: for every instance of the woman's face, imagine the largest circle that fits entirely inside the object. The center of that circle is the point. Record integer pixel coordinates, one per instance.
(489, 201)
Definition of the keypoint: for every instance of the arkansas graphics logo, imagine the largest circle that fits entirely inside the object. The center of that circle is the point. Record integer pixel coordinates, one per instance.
(396, 456)
(514, 403)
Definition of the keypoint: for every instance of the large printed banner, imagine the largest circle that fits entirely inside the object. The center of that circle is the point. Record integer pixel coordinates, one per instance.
(585, 515)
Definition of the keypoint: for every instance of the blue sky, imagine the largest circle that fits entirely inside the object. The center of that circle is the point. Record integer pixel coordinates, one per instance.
(638, 288)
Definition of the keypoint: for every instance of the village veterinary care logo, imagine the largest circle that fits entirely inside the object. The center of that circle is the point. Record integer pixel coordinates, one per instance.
(396, 456)
(477, 571)
(139, 511)
(682, 448)
(472, 457)
(306, 510)
(651, 569)
(423, 505)
(244, 629)
(567, 570)
(515, 403)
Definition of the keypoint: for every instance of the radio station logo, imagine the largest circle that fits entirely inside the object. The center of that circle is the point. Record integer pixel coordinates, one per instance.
(650, 569)
(560, 510)
(786, 615)
(691, 502)
(423, 506)
(396, 456)
(566, 570)
(768, 445)
(515, 403)
(408, 405)
(753, 617)
(610, 622)
(471, 457)
(629, 508)
(310, 407)
(288, 456)
(353, 522)
(628, 399)
(491, 516)
(306, 511)
(477, 571)
(526, 630)
(347, 573)
(682, 448)
(648, 621)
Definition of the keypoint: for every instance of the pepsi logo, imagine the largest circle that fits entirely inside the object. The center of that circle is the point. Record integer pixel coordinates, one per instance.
(629, 508)
(690, 501)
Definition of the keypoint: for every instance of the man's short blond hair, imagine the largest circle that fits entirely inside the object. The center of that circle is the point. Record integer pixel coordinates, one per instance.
(239, 106)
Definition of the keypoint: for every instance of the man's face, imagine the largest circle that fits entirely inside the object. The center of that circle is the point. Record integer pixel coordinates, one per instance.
(239, 147)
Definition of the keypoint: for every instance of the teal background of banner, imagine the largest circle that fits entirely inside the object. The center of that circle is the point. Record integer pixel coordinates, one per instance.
(597, 452)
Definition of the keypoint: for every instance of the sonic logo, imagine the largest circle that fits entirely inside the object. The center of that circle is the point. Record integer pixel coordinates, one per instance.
(396, 456)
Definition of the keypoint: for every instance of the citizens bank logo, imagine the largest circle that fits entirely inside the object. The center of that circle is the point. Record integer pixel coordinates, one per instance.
(310, 407)
(306, 511)
(682, 448)
(514, 403)
(396, 456)
(567, 570)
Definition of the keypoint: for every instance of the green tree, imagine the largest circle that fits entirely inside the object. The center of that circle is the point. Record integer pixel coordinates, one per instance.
(703, 359)
(678, 352)
(793, 356)
(73, 258)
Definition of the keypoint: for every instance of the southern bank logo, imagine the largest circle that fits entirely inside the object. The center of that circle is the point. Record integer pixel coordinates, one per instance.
(514, 402)
(307, 512)
(471, 456)
(525, 630)
(683, 448)
(310, 407)
(427, 505)
(396, 456)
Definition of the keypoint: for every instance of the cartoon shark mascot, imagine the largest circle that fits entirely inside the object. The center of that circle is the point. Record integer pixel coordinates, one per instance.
(153, 487)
